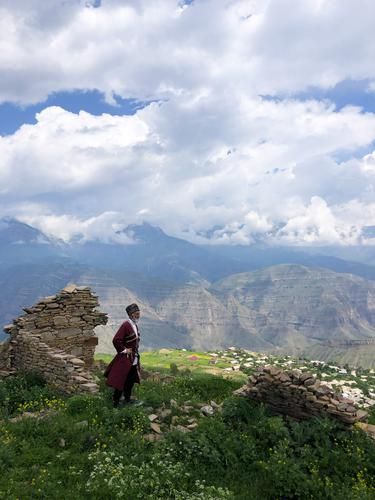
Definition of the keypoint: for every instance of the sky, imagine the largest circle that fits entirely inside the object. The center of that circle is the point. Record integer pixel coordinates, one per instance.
(220, 121)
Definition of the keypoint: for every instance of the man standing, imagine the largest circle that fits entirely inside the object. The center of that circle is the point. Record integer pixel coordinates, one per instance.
(123, 371)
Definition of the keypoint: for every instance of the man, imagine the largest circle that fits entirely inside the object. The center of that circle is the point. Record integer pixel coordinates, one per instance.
(123, 371)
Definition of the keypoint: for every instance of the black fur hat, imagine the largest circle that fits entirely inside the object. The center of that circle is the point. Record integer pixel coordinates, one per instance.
(132, 308)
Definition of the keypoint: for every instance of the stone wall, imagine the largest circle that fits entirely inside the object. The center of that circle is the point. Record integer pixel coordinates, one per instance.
(299, 395)
(55, 338)
(4, 359)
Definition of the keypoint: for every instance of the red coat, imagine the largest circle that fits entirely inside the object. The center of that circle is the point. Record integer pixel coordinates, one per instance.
(119, 368)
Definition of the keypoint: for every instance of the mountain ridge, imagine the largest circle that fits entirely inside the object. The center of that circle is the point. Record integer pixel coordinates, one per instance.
(284, 307)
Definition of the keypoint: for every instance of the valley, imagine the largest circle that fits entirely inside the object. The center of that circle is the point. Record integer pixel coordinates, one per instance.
(191, 299)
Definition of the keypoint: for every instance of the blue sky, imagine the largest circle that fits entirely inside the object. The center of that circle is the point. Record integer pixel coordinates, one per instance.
(344, 93)
(12, 115)
(116, 112)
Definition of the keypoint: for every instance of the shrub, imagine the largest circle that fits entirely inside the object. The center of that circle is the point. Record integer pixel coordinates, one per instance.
(84, 405)
(203, 387)
(240, 412)
(174, 369)
(24, 392)
(159, 477)
(128, 419)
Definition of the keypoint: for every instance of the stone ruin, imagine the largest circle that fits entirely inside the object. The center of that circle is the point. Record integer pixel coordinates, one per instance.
(299, 395)
(56, 339)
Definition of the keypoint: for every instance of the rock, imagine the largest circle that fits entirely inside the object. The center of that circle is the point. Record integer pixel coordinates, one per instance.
(81, 425)
(152, 417)
(52, 305)
(155, 427)
(77, 361)
(152, 437)
(305, 376)
(242, 391)
(62, 443)
(181, 428)
(302, 399)
(309, 382)
(207, 410)
(273, 370)
(342, 406)
(192, 426)
(187, 408)
(284, 377)
(165, 413)
(368, 428)
(323, 390)
(361, 415)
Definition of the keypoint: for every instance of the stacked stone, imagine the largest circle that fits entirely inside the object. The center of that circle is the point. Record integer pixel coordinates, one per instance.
(58, 368)
(4, 359)
(56, 338)
(299, 395)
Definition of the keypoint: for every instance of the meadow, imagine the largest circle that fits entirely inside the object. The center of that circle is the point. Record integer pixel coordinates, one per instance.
(79, 447)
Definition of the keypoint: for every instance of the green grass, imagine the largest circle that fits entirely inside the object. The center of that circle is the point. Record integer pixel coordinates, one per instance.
(194, 361)
(85, 449)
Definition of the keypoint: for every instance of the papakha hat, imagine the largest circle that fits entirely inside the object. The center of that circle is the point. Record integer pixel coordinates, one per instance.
(132, 308)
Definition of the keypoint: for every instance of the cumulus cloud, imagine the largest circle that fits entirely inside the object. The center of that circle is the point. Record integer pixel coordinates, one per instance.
(225, 154)
(107, 227)
(86, 173)
(159, 48)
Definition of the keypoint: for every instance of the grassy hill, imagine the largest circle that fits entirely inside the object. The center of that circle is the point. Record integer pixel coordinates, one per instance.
(172, 447)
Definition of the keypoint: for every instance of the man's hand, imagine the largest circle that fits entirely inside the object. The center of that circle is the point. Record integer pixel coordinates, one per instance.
(127, 351)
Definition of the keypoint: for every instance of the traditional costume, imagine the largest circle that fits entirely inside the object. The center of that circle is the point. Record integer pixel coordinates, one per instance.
(123, 371)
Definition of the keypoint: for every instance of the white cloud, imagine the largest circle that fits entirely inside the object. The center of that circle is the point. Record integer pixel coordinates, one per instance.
(154, 48)
(106, 227)
(318, 224)
(211, 155)
(257, 167)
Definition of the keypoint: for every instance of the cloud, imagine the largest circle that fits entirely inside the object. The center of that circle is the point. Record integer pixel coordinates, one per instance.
(210, 158)
(159, 48)
(261, 165)
(106, 227)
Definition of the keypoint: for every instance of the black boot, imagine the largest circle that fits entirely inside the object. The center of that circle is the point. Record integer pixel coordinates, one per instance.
(116, 398)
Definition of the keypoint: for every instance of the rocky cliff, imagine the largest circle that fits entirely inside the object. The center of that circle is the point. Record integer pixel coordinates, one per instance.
(284, 308)
(287, 308)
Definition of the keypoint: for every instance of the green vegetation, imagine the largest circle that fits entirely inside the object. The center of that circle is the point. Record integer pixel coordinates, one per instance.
(80, 447)
(161, 360)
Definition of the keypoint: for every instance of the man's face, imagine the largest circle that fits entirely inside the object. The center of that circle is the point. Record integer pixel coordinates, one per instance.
(136, 315)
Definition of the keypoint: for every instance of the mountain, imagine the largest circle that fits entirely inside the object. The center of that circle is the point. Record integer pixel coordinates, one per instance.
(260, 256)
(292, 306)
(157, 255)
(154, 254)
(21, 243)
(201, 297)
(285, 308)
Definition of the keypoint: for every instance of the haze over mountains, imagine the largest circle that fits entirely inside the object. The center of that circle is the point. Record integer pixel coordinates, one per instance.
(260, 298)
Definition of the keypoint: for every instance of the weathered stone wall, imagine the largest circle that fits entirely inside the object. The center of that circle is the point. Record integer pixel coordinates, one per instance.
(56, 338)
(4, 358)
(299, 395)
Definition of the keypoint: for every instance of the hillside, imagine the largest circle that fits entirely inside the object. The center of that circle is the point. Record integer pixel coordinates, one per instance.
(293, 306)
(190, 439)
(285, 308)
(288, 309)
